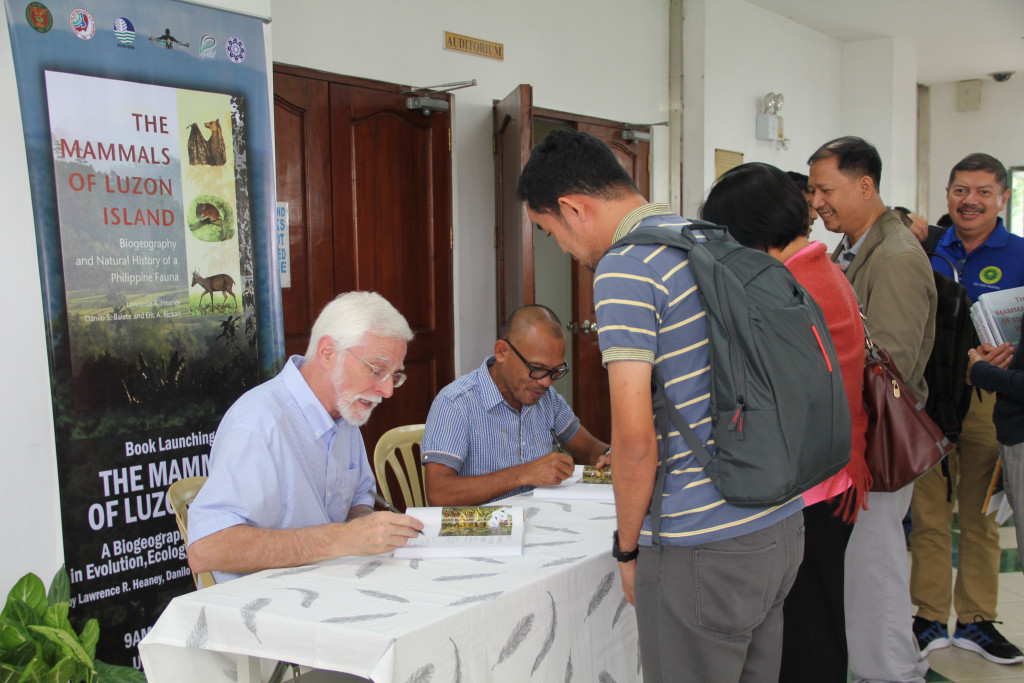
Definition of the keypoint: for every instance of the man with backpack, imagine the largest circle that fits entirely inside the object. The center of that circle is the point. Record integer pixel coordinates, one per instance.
(708, 578)
(986, 258)
(893, 282)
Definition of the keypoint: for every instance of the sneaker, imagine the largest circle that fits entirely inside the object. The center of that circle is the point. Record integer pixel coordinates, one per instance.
(982, 637)
(931, 634)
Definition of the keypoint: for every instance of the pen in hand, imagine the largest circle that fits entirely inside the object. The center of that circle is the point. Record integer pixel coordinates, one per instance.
(388, 506)
(558, 446)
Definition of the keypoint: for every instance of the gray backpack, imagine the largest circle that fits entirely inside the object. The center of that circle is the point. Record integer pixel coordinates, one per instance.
(781, 421)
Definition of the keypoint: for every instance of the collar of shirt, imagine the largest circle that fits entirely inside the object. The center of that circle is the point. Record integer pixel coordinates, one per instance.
(998, 238)
(490, 396)
(320, 421)
(849, 251)
(633, 218)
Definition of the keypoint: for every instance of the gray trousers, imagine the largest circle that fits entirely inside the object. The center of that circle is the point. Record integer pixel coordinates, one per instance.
(1013, 483)
(713, 613)
(878, 612)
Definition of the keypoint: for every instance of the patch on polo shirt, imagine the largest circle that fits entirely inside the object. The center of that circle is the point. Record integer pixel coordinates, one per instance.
(991, 275)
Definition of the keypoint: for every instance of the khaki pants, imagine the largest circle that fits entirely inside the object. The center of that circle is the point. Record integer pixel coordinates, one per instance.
(970, 466)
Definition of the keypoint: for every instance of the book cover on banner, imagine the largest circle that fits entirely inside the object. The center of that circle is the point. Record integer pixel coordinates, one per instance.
(466, 531)
(586, 483)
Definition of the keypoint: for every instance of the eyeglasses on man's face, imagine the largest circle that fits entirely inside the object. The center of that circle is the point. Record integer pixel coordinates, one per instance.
(537, 372)
(380, 374)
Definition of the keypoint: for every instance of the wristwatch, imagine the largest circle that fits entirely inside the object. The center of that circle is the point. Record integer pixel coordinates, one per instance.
(618, 554)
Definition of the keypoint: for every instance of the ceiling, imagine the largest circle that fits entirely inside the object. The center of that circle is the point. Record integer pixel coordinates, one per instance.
(955, 39)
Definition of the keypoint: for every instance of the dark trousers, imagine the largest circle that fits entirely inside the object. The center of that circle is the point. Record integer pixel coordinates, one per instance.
(814, 621)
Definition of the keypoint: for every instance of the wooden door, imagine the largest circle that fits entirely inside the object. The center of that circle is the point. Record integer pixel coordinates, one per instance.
(373, 181)
(514, 117)
(513, 141)
(589, 376)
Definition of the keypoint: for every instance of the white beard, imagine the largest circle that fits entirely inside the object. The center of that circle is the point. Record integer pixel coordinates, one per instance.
(350, 404)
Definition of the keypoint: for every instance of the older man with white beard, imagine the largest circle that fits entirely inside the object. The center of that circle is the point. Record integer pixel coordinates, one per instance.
(289, 480)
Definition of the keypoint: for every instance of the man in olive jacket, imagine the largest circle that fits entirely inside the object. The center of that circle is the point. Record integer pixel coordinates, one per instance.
(893, 281)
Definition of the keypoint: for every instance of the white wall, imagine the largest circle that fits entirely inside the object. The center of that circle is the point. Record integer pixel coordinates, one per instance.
(30, 536)
(994, 129)
(749, 52)
(880, 105)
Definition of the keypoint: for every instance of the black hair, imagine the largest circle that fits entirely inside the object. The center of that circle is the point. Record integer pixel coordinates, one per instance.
(799, 179)
(760, 206)
(570, 162)
(945, 221)
(857, 157)
(981, 162)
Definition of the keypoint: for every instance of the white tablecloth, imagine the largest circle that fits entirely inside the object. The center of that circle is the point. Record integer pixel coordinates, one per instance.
(555, 614)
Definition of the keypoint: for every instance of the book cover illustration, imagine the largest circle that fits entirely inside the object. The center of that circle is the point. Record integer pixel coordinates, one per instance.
(466, 531)
(586, 483)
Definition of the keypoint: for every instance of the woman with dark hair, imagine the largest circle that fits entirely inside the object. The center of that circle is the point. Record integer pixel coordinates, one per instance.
(763, 209)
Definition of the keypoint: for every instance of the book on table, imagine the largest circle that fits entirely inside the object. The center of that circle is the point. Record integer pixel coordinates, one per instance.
(586, 483)
(466, 531)
(997, 316)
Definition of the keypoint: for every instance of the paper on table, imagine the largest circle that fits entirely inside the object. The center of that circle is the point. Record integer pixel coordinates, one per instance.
(586, 483)
(466, 531)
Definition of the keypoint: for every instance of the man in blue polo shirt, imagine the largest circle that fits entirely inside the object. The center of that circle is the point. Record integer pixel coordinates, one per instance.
(489, 433)
(987, 259)
(709, 596)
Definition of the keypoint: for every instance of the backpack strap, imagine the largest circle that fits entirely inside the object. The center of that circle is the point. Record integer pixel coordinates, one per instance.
(665, 413)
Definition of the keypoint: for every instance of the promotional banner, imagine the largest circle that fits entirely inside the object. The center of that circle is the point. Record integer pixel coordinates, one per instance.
(147, 127)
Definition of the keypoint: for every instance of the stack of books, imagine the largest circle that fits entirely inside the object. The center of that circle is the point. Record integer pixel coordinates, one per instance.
(996, 316)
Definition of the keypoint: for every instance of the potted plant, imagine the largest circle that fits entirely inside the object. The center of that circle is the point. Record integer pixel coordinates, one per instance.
(38, 643)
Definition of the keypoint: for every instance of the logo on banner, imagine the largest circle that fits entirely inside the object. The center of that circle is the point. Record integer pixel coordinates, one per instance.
(207, 46)
(168, 41)
(124, 32)
(82, 24)
(39, 17)
(235, 49)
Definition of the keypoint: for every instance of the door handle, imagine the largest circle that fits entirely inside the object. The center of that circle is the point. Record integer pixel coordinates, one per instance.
(586, 327)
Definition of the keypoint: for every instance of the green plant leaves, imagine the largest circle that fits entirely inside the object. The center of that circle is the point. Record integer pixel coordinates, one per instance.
(111, 673)
(29, 590)
(39, 645)
(89, 636)
(60, 588)
(67, 642)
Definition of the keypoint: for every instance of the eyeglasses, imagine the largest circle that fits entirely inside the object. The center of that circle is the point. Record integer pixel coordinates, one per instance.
(538, 372)
(381, 374)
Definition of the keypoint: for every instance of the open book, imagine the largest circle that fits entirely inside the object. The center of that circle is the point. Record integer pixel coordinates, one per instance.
(466, 531)
(996, 316)
(586, 483)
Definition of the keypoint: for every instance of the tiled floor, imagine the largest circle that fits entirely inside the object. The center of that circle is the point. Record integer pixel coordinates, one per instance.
(964, 666)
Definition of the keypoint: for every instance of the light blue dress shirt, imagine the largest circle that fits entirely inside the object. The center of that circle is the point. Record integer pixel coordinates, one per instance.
(473, 430)
(280, 461)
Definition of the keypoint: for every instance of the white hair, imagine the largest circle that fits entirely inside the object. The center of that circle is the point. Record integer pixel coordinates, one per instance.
(353, 315)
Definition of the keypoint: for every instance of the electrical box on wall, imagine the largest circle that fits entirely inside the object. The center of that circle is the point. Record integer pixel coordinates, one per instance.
(769, 127)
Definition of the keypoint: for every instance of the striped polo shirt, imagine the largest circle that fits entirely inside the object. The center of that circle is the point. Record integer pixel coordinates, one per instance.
(473, 430)
(649, 309)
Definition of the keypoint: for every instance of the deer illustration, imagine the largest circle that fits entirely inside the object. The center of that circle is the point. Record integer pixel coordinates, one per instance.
(215, 283)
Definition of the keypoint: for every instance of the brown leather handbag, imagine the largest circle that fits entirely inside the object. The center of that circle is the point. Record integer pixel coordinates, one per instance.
(903, 443)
